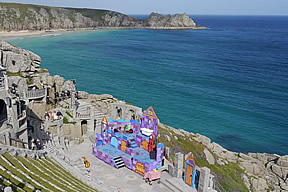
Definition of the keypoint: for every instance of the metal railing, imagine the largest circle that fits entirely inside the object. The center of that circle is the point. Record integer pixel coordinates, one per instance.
(33, 94)
(22, 115)
(1, 82)
(83, 115)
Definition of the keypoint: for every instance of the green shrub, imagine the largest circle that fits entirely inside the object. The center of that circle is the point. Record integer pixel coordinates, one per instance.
(69, 114)
(66, 121)
(30, 81)
(42, 71)
(14, 74)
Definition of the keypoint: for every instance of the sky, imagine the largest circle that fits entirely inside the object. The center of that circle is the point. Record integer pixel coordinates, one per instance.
(193, 7)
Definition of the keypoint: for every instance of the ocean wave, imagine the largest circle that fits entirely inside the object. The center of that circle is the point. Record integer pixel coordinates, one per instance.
(54, 34)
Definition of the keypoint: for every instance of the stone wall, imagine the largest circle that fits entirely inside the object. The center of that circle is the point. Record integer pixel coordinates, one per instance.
(124, 111)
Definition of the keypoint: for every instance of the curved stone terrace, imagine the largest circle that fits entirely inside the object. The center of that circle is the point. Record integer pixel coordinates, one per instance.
(33, 94)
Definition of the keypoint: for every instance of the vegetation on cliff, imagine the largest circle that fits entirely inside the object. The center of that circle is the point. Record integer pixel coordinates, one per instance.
(16, 17)
(229, 176)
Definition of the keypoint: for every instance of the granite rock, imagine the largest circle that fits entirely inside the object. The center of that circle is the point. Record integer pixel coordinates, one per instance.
(27, 17)
(15, 59)
(283, 161)
(209, 157)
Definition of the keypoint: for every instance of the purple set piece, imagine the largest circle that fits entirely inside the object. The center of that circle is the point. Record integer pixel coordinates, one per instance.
(122, 143)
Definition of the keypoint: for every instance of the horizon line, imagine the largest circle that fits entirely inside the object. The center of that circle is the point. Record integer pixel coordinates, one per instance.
(212, 14)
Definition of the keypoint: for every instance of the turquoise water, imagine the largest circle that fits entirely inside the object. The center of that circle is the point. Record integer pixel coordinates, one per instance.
(228, 82)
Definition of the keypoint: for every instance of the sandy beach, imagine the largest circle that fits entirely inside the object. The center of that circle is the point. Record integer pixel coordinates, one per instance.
(26, 33)
(5, 34)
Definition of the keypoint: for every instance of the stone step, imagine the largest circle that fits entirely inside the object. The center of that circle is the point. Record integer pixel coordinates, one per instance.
(23, 173)
(17, 178)
(169, 186)
(180, 185)
(37, 175)
(55, 177)
(64, 182)
(61, 172)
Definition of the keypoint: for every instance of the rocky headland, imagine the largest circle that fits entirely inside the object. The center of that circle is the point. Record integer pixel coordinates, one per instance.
(19, 17)
(232, 170)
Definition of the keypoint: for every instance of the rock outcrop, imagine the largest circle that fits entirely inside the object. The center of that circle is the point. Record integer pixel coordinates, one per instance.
(15, 59)
(263, 171)
(178, 20)
(17, 17)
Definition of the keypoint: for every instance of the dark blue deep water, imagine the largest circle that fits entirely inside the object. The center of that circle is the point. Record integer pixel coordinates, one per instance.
(229, 82)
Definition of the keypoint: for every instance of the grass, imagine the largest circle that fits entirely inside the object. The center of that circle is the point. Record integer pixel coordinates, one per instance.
(66, 121)
(7, 183)
(44, 165)
(14, 74)
(36, 178)
(48, 163)
(42, 71)
(229, 176)
(38, 172)
(26, 11)
(15, 181)
(18, 174)
(69, 114)
(49, 171)
(30, 81)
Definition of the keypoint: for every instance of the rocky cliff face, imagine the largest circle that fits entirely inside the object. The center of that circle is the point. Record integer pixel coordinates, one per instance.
(16, 17)
(178, 20)
(15, 59)
(22, 68)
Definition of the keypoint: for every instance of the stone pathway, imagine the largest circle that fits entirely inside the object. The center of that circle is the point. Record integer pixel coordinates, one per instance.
(123, 180)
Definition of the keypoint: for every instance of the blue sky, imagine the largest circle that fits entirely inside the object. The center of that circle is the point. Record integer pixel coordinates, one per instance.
(194, 7)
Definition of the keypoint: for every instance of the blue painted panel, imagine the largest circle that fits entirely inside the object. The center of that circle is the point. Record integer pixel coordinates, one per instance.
(114, 142)
(99, 142)
(161, 145)
(185, 172)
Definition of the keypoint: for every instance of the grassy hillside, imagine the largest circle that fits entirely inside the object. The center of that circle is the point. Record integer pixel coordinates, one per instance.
(94, 14)
(228, 176)
(15, 16)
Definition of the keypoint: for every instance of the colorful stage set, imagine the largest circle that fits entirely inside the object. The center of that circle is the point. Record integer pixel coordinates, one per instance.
(121, 143)
(190, 171)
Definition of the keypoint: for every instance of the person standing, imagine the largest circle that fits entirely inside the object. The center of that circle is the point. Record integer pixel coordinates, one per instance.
(55, 115)
(41, 85)
(59, 114)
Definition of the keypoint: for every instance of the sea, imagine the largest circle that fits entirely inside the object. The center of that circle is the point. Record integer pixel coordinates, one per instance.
(229, 82)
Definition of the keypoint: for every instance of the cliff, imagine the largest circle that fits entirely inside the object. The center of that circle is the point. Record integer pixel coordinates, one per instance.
(15, 59)
(234, 171)
(17, 17)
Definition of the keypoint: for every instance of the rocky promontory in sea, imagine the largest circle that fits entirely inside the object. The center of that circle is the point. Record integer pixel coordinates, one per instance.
(18, 17)
(233, 171)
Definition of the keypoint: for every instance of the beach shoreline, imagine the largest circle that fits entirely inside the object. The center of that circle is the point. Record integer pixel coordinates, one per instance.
(28, 33)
